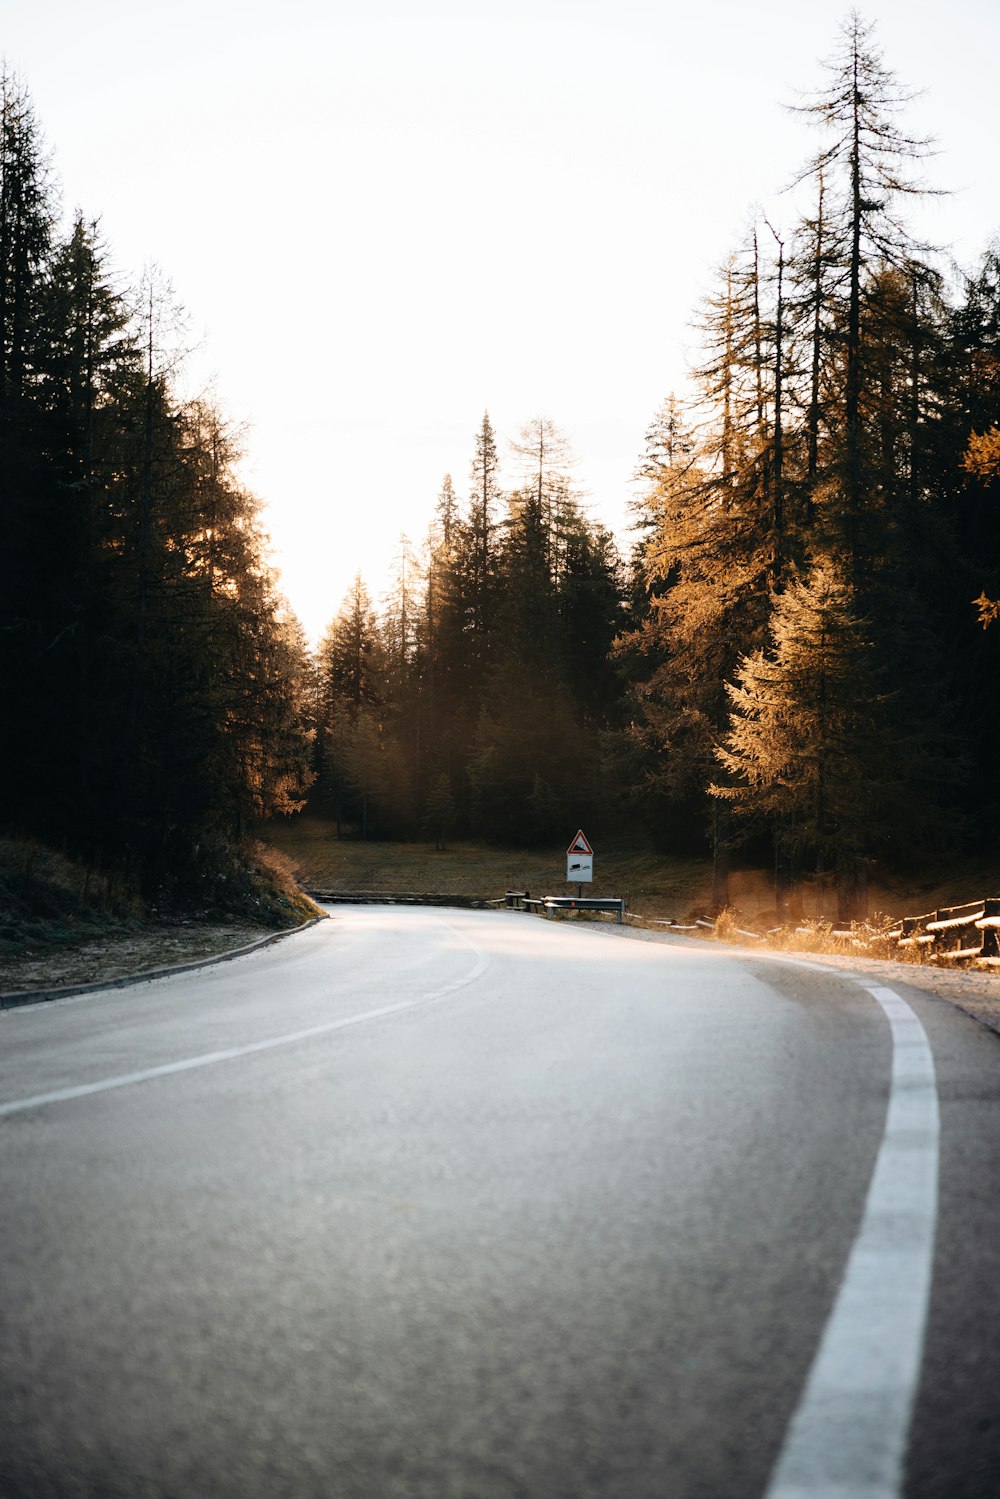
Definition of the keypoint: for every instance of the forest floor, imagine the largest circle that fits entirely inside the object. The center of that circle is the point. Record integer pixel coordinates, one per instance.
(655, 887)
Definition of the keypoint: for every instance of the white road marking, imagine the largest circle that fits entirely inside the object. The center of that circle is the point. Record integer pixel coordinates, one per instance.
(211, 1058)
(848, 1436)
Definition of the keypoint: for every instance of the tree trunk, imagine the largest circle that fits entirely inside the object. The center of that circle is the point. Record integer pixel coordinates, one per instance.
(720, 863)
(852, 886)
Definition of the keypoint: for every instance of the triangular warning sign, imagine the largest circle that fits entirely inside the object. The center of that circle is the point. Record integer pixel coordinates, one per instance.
(580, 845)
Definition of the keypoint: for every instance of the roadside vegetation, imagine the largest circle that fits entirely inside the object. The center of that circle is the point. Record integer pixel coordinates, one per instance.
(62, 922)
(51, 903)
(656, 886)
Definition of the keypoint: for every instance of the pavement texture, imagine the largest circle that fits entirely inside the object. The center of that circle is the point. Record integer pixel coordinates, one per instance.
(464, 1204)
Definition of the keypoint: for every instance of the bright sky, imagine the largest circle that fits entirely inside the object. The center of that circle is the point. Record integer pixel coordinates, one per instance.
(383, 217)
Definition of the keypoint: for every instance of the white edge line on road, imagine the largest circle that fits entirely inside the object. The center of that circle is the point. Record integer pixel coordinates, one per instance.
(848, 1436)
(211, 1058)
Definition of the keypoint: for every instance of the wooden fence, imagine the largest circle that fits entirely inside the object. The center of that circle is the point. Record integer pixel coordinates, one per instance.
(958, 934)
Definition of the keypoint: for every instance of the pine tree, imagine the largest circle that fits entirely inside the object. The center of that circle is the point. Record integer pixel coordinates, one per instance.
(479, 579)
(350, 682)
(351, 656)
(36, 556)
(26, 215)
(440, 812)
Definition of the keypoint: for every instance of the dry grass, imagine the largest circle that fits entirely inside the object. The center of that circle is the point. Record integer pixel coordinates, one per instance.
(276, 889)
(47, 897)
(62, 922)
(651, 884)
(870, 939)
(654, 885)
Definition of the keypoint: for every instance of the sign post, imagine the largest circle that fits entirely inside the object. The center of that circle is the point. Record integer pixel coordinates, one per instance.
(579, 862)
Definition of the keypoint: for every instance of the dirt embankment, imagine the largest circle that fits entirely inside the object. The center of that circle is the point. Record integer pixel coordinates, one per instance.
(63, 923)
(104, 959)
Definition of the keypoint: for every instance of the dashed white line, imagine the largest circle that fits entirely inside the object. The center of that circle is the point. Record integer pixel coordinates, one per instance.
(212, 1058)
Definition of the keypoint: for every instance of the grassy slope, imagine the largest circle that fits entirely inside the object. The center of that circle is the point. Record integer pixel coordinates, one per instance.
(481, 871)
(49, 902)
(653, 884)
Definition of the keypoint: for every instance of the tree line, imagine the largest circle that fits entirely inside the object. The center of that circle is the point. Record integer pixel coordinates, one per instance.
(819, 528)
(476, 699)
(156, 686)
(796, 660)
(792, 663)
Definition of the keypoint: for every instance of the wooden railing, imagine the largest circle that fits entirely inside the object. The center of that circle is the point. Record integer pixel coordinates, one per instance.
(958, 934)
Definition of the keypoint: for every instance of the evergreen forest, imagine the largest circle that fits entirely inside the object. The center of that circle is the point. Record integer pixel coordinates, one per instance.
(797, 659)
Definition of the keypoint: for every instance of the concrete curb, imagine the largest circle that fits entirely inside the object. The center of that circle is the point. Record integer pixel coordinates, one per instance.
(66, 991)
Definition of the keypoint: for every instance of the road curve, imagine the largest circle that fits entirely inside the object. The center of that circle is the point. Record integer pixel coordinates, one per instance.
(476, 1205)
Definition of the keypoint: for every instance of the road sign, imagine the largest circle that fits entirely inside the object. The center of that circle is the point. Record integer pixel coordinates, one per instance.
(580, 861)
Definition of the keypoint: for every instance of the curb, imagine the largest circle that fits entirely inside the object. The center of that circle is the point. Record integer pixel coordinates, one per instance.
(66, 991)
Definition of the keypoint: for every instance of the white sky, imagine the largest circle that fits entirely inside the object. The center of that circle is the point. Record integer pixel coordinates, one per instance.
(385, 217)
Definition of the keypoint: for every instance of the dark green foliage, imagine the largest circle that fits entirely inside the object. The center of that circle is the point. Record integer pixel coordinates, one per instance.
(495, 674)
(531, 768)
(155, 682)
(440, 812)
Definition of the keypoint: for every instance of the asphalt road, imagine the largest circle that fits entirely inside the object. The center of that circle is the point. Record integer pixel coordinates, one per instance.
(449, 1205)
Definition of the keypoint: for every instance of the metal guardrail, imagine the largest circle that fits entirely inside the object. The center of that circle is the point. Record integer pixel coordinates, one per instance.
(585, 903)
(958, 934)
(521, 900)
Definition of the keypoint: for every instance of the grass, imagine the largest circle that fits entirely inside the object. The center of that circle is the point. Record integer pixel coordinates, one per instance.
(651, 883)
(49, 901)
(654, 885)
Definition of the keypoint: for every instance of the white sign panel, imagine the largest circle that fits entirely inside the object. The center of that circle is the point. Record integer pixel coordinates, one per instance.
(580, 861)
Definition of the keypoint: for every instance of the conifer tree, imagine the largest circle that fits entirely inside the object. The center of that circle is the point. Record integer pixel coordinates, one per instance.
(545, 464)
(809, 747)
(443, 658)
(865, 167)
(480, 549)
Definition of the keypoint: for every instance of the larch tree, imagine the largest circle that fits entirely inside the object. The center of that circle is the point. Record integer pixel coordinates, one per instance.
(545, 462)
(809, 747)
(863, 169)
(711, 548)
(982, 461)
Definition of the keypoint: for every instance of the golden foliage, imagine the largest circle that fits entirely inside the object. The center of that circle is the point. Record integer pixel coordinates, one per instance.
(982, 456)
